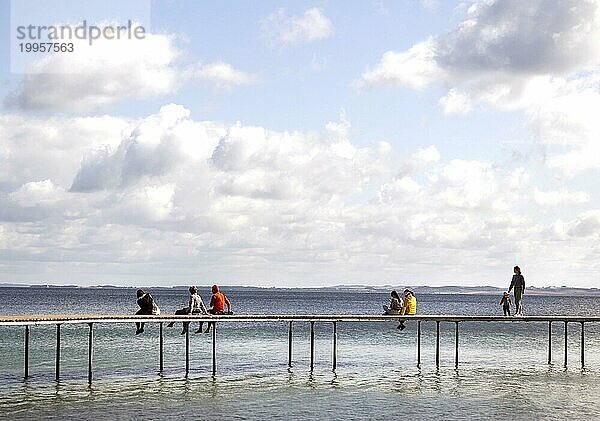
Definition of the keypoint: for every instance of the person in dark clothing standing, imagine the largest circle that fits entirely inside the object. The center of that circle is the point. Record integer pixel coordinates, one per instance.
(518, 283)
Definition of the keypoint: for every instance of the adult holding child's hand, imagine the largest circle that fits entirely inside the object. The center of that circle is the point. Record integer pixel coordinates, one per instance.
(518, 283)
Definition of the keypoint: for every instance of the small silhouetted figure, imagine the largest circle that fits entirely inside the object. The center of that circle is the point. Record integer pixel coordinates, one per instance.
(505, 302)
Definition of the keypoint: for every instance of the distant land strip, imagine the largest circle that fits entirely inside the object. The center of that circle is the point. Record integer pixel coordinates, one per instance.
(447, 289)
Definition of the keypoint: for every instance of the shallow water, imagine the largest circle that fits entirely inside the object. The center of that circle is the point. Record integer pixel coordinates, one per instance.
(503, 371)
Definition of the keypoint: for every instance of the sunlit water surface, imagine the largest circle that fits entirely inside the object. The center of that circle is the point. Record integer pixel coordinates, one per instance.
(503, 371)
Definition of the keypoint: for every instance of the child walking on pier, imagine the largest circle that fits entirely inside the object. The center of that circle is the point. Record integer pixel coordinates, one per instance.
(505, 302)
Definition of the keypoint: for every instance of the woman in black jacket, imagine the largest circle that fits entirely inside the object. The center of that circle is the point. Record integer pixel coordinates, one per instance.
(518, 283)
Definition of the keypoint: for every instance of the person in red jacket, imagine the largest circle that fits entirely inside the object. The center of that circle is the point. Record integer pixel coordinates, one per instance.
(218, 302)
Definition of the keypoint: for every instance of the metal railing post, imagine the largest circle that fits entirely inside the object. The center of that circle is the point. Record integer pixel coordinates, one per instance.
(566, 354)
(582, 345)
(26, 362)
(456, 347)
(334, 345)
(290, 345)
(549, 342)
(418, 343)
(187, 352)
(214, 348)
(437, 344)
(90, 351)
(312, 345)
(57, 352)
(160, 348)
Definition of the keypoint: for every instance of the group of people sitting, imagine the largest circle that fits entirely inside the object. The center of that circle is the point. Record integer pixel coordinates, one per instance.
(398, 306)
(218, 303)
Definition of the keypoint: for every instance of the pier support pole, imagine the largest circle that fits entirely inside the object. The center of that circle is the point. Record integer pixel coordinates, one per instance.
(437, 344)
(26, 351)
(214, 349)
(418, 343)
(90, 351)
(312, 345)
(334, 345)
(549, 342)
(187, 351)
(456, 347)
(160, 348)
(566, 343)
(582, 345)
(290, 344)
(57, 352)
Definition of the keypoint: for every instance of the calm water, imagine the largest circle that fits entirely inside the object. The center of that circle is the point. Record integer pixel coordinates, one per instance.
(503, 372)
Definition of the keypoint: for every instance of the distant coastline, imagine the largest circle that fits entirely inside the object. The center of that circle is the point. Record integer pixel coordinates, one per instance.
(447, 289)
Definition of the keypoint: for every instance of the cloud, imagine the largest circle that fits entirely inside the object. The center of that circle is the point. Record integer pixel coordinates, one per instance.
(415, 68)
(419, 160)
(39, 148)
(37, 192)
(455, 102)
(109, 71)
(157, 145)
(491, 49)
(542, 59)
(222, 75)
(168, 197)
(587, 224)
(281, 29)
(556, 198)
(99, 75)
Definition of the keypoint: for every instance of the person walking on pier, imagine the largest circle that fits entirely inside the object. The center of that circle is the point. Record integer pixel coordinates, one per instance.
(218, 302)
(395, 305)
(409, 306)
(518, 283)
(147, 307)
(505, 302)
(195, 306)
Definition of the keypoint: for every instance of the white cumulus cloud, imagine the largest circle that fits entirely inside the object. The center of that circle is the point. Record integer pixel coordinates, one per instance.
(281, 29)
(562, 197)
(222, 74)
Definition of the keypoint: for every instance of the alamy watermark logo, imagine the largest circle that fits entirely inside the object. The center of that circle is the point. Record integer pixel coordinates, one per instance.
(81, 26)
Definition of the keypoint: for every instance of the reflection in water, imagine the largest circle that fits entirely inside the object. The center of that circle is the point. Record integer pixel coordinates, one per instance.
(538, 391)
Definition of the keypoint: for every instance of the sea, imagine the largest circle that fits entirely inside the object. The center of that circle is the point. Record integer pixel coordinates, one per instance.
(503, 372)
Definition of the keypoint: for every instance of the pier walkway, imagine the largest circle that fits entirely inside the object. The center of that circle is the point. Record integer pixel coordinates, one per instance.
(90, 319)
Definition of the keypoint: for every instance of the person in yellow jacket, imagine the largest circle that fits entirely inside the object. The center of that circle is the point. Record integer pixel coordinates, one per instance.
(408, 307)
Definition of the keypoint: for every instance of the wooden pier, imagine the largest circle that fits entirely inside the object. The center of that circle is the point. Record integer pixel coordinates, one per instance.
(91, 319)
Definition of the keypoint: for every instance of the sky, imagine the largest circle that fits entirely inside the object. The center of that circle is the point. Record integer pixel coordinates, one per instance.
(301, 144)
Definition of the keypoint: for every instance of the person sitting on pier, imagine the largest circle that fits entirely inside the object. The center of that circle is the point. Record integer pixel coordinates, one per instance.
(409, 306)
(147, 307)
(218, 302)
(195, 306)
(395, 305)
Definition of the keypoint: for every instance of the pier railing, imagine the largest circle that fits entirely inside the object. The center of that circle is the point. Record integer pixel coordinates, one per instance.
(90, 319)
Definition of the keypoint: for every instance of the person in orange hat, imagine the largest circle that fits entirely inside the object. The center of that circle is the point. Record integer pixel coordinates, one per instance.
(218, 302)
